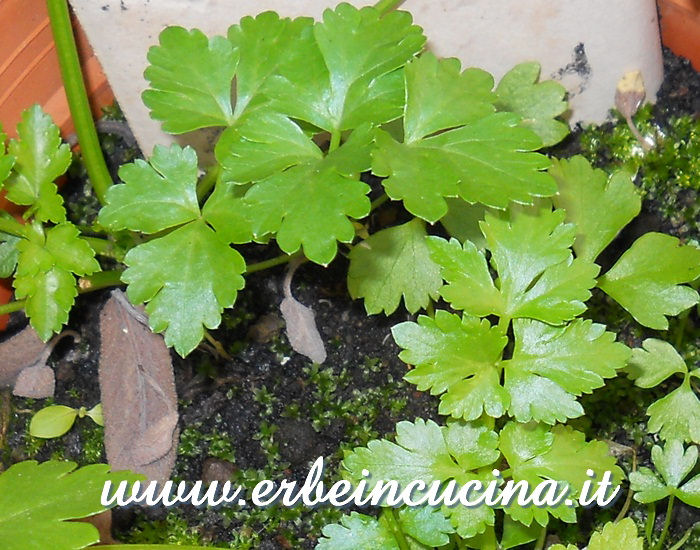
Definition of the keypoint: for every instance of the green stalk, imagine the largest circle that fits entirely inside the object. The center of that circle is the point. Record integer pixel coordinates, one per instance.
(335, 141)
(77, 97)
(667, 523)
(385, 6)
(11, 307)
(376, 203)
(102, 247)
(393, 520)
(681, 542)
(12, 227)
(272, 262)
(539, 545)
(99, 280)
(208, 181)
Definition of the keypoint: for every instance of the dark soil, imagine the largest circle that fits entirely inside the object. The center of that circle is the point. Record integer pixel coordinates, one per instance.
(268, 413)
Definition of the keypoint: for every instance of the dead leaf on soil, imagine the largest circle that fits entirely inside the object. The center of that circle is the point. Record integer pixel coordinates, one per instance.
(103, 522)
(23, 360)
(139, 402)
(19, 352)
(301, 323)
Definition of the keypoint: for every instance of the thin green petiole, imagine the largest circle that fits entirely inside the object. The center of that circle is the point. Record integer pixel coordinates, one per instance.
(392, 518)
(102, 247)
(667, 523)
(77, 97)
(272, 262)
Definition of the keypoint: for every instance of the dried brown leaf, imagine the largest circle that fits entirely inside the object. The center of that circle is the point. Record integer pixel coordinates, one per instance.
(19, 352)
(300, 320)
(139, 402)
(37, 382)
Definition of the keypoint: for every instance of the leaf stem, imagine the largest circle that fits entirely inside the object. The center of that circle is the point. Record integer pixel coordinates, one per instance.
(667, 523)
(335, 141)
(208, 181)
(77, 97)
(684, 538)
(539, 545)
(393, 521)
(385, 6)
(11, 307)
(99, 280)
(272, 262)
(102, 247)
(376, 203)
(12, 226)
(503, 323)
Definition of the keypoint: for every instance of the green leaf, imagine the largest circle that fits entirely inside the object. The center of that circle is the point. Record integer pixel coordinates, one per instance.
(40, 158)
(7, 161)
(96, 414)
(652, 365)
(622, 534)
(45, 275)
(552, 365)
(156, 195)
(344, 73)
(425, 524)
(424, 451)
(487, 161)
(187, 277)
(464, 96)
(9, 254)
(265, 43)
(357, 532)
(539, 103)
(190, 80)
(677, 415)
(516, 534)
(286, 168)
(392, 263)
(462, 221)
(599, 205)
(36, 499)
(52, 421)
(536, 452)
(674, 464)
(225, 212)
(428, 452)
(538, 276)
(457, 358)
(648, 279)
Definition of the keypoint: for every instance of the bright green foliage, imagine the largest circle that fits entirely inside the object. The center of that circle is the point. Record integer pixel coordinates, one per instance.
(539, 103)
(8, 254)
(481, 156)
(392, 263)
(278, 201)
(265, 43)
(190, 77)
(552, 365)
(458, 358)
(345, 72)
(462, 221)
(39, 159)
(36, 499)
(7, 161)
(56, 420)
(648, 279)
(536, 452)
(187, 276)
(156, 195)
(674, 464)
(45, 274)
(428, 452)
(622, 534)
(676, 415)
(52, 421)
(599, 205)
(514, 534)
(360, 532)
(538, 276)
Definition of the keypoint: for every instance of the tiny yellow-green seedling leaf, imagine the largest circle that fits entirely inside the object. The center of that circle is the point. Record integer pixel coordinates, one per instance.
(52, 421)
(96, 414)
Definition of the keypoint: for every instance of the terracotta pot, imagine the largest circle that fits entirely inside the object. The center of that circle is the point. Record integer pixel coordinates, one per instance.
(680, 28)
(29, 74)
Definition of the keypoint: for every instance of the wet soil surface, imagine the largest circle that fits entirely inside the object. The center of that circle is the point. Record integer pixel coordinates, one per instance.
(268, 412)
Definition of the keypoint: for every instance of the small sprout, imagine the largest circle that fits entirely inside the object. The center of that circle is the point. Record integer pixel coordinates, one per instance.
(629, 95)
(56, 420)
